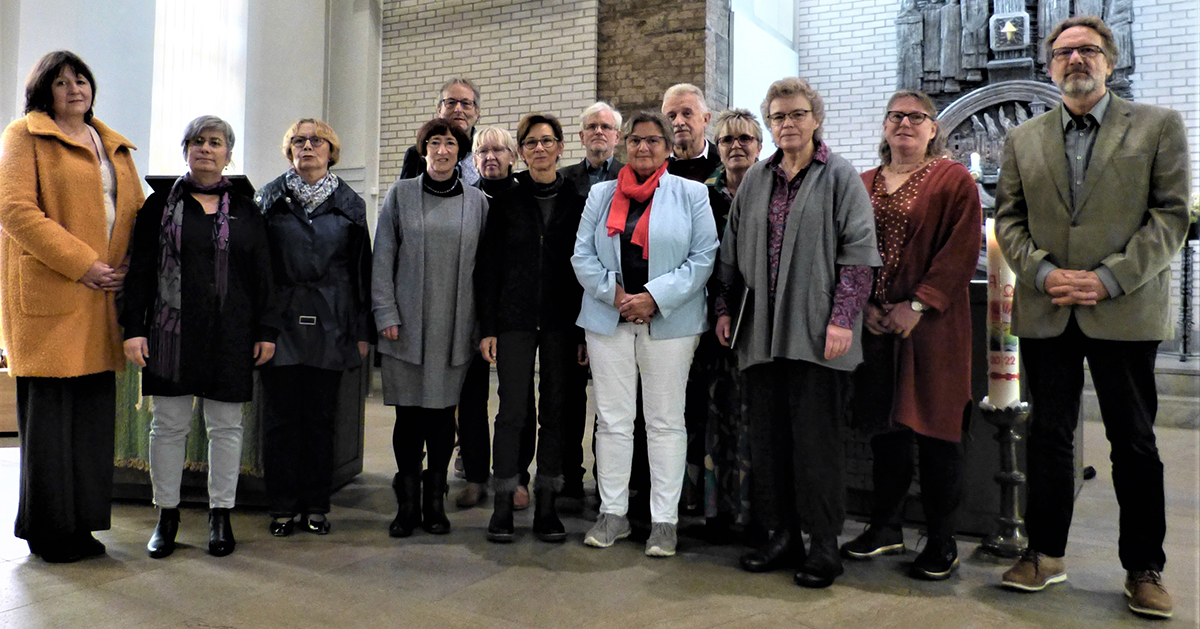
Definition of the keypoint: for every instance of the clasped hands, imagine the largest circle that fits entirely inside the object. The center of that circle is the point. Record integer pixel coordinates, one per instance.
(1075, 288)
(103, 277)
(636, 308)
(897, 318)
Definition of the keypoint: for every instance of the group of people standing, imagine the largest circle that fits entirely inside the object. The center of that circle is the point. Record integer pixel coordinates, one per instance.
(733, 313)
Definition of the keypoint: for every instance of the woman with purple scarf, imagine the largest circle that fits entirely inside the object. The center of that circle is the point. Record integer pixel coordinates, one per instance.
(198, 318)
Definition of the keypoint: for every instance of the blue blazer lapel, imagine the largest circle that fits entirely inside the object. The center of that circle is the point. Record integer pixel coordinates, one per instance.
(1112, 133)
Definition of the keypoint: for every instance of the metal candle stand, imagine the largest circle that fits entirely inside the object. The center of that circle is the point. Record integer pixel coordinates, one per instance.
(1009, 540)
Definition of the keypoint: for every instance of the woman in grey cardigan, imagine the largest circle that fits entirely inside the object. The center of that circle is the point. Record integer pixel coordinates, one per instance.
(800, 246)
(423, 293)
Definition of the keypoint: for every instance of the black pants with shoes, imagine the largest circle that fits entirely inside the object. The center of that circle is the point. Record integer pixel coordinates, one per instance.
(298, 426)
(555, 352)
(474, 430)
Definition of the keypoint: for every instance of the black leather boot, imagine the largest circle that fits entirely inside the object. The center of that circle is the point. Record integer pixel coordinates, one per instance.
(433, 503)
(822, 565)
(220, 533)
(780, 551)
(500, 528)
(162, 541)
(408, 513)
(546, 525)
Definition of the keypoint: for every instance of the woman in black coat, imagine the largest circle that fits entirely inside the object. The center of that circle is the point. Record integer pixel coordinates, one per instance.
(321, 254)
(198, 318)
(529, 300)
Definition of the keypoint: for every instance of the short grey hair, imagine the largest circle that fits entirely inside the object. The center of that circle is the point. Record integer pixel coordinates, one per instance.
(647, 115)
(796, 86)
(206, 123)
(458, 80)
(741, 118)
(596, 108)
(686, 88)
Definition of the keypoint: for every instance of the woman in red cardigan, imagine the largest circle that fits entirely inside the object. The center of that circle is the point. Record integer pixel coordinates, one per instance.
(915, 381)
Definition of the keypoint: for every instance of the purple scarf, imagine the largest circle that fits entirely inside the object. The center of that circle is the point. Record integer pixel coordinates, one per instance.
(165, 338)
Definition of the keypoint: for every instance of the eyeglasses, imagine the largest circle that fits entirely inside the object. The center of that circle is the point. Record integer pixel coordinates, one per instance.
(547, 143)
(451, 103)
(653, 141)
(299, 140)
(598, 126)
(1087, 52)
(743, 139)
(796, 117)
(915, 118)
(213, 141)
(484, 152)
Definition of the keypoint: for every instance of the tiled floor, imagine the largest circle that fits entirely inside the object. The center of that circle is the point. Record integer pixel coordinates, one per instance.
(358, 577)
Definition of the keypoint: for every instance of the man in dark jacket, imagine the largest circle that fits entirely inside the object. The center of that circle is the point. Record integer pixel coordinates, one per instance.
(599, 132)
(458, 102)
(694, 157)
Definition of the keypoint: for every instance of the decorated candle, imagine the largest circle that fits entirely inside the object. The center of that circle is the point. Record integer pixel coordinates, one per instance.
(1003, 358)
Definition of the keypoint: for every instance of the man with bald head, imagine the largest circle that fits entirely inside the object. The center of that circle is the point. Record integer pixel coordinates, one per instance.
(693, 157)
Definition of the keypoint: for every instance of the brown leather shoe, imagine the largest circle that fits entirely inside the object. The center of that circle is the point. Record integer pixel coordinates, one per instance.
(1034, 571)
(471, 495)
(521, 498)
(1147, 596)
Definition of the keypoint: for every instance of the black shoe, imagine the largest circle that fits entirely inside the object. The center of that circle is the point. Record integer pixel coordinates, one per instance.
(88, 545)
(546, 525)
(500, 527)
(938, 561)
(780, 551)
(162, 541)
(220, 533)
(876, 540)
(823, 564)
(433, 503)
(408, 513)
(281, 527)
(55, 550)
(318, 526)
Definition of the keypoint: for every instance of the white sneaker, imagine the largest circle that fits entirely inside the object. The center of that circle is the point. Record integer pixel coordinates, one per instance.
(608, 529)
(662, 540)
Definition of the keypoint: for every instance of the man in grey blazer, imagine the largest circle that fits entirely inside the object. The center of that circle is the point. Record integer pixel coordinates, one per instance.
(1091, 208)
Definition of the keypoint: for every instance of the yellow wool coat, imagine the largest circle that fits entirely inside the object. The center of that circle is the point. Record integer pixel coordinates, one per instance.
(52, 228)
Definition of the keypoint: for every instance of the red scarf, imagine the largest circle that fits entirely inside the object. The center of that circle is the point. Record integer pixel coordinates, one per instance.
(628, 188)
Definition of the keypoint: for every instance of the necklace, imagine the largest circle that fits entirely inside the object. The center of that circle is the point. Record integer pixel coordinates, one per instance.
(914, 168)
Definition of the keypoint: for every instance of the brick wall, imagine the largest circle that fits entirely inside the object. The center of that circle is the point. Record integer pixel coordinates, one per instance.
(525, 56)
(646, 47)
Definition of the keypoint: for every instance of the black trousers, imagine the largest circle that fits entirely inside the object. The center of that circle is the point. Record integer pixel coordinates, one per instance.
(419, 429)
(795, 412)
(298, 420)
(941, 465)
(515, 355)
(66, 428)
(474, 431)
(574, 424)
(1123, 372)
(695, 415)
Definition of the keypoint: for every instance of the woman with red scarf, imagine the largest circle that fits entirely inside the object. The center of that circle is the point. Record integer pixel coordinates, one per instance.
(199, 315)
(646, 246)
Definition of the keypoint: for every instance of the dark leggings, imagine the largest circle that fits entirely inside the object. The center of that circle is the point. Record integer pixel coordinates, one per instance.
(940, 465)
(419, 430)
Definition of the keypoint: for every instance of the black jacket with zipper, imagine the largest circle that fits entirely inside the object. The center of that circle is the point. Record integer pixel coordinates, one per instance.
(524, 277)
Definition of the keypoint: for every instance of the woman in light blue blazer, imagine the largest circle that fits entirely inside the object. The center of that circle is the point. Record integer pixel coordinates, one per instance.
(646, 246)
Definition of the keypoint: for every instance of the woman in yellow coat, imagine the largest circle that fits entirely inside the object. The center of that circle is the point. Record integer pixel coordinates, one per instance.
(69, 192)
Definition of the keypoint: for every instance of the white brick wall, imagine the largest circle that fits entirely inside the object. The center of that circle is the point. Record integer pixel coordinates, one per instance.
(525, 55)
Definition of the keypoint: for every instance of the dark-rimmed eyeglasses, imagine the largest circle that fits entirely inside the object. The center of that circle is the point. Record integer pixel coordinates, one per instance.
(744, 139)
(653, 141)
(915, 118)
(547, 143)
(298, 141)
(796, 117)
(598, 126)
(451, 103)
(1087, 52)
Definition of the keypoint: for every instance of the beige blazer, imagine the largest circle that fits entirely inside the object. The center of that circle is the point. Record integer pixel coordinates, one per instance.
(1132, 219)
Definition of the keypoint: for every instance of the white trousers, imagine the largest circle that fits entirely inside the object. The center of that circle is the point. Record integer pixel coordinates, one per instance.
(616, 362)
(168, 440)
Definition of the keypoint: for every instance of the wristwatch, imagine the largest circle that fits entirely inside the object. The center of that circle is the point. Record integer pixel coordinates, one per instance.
(918, 306)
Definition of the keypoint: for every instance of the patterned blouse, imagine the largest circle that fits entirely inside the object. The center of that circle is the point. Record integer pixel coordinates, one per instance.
(892, 226)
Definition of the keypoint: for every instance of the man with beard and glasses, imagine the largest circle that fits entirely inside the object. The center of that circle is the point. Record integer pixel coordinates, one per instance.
(1091, 209)
(458, 102)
